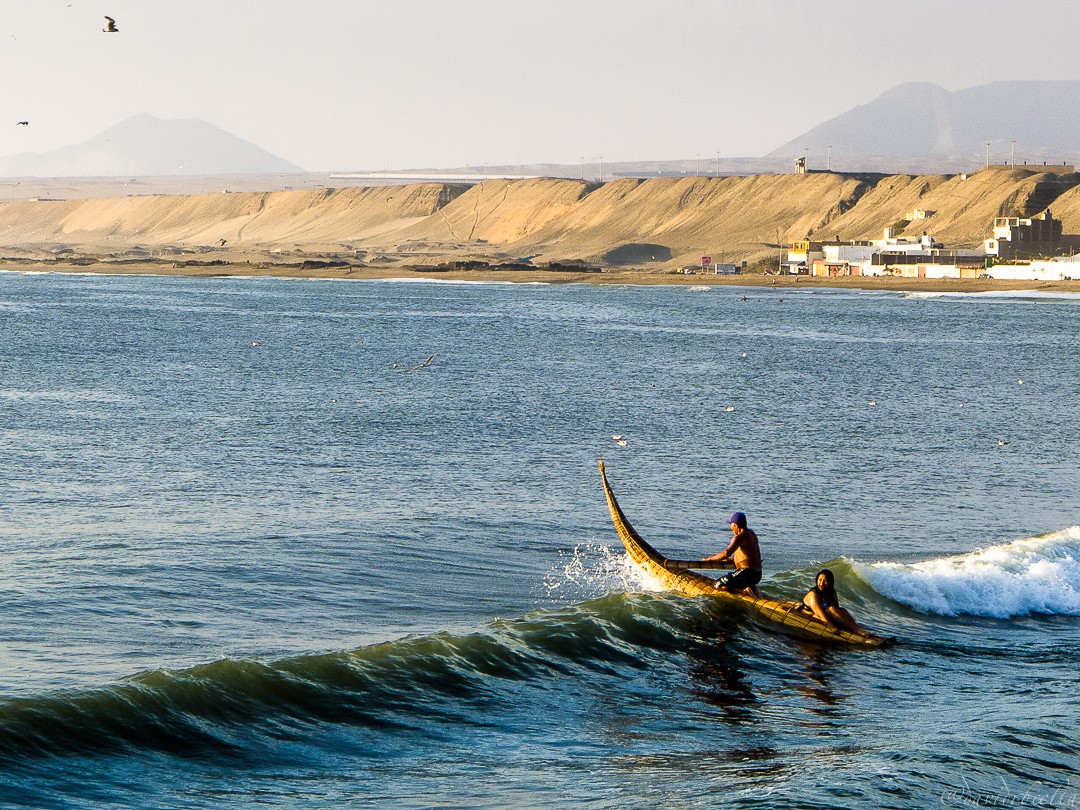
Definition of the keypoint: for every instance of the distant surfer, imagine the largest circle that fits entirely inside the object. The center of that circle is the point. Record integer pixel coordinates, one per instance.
(822, 602)
(745, 553)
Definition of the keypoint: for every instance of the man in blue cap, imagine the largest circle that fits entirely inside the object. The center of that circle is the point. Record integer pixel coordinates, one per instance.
(745, 554)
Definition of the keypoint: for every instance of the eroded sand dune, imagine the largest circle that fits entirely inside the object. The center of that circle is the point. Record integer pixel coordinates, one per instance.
(677, 219)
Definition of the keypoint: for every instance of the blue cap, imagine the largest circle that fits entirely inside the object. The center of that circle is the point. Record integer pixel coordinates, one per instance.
(739, 519)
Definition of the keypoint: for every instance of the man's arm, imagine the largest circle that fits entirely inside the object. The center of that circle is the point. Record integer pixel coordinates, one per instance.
(727, 552)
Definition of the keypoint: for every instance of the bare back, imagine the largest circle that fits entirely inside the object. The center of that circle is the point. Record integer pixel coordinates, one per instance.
(745, 551)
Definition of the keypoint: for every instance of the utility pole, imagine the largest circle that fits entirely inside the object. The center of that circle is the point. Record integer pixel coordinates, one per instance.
(717, 162)
(1012, 154)
(829, 159)
(601, 168)
(988, 154)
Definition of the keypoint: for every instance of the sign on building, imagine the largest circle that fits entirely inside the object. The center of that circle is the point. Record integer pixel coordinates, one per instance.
(706, 261)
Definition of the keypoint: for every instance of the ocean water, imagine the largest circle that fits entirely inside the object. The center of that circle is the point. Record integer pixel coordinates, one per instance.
(250, 554)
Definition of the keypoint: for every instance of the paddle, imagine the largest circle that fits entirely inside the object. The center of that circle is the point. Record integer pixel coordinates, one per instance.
(683, 565)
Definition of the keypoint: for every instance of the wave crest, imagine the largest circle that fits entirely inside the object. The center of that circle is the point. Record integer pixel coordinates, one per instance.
(1031, 575)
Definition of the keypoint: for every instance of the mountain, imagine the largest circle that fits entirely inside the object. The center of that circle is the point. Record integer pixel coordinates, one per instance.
(923, 126)
(147, 146)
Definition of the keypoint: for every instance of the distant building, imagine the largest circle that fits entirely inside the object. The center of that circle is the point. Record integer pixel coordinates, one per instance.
(1060, 268)
(1014, 238)
(1025, 238)
(801, 257)
(891, 255)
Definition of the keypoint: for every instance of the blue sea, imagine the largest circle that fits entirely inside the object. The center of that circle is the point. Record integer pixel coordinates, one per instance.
(307, 544)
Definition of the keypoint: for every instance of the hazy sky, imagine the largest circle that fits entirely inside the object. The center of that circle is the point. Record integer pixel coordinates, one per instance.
(360, 84)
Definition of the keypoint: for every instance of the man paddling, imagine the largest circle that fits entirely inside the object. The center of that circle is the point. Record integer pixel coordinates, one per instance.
(745, 553)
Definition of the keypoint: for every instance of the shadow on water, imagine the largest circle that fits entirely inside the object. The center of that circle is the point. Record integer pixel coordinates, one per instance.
(718, 675)
(749, 675)
(817, 662)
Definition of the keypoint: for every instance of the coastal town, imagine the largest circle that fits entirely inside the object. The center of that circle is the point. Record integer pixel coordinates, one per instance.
(1019, 248)
(1016, 248)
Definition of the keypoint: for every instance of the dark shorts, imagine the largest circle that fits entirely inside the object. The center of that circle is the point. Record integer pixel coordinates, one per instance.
(739, 578)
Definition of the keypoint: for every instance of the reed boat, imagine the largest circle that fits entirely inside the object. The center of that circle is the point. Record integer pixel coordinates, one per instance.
(674, 575)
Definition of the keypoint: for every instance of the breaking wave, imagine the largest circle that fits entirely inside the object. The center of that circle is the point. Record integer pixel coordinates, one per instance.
(1031, 575)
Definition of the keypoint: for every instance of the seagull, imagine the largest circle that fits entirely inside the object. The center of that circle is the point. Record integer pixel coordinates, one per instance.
(616, 436)
(621, 442)
(1002, 443)
(221, 242)
(871, 402)
(110, 26)
(729, 408)
(1019, 382)
(22, 123)
(426, 364)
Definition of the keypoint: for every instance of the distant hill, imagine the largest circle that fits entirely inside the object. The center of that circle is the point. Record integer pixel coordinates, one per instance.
(657, 222)
(923, 127)
(144, 145)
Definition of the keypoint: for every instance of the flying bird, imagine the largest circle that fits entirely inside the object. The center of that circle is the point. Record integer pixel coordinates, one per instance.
(22, 123)
(426, 364)
(221, 242)
(110, 26)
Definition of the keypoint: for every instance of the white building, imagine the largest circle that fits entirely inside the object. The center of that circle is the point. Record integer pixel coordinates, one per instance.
(1061, 268)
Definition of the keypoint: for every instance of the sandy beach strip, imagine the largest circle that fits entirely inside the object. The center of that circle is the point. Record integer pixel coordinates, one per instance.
(607, 276)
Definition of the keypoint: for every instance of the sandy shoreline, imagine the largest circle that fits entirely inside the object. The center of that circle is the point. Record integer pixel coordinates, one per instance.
(607, 276)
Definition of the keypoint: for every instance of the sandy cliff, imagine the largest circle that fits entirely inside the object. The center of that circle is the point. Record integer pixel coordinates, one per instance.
(658, 222)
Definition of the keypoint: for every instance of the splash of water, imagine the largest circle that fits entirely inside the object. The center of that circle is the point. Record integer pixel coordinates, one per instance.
(1031, 575)
(593, 569)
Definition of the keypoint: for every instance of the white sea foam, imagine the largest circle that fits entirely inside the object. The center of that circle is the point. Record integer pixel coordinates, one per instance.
(1032, 575)
(998, 295)
(17, 395)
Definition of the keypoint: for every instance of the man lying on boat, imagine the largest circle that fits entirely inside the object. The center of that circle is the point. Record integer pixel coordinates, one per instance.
(745, 553)
(822, 602)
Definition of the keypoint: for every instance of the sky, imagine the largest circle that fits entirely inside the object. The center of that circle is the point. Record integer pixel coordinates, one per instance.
(368, 85)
